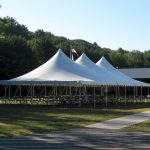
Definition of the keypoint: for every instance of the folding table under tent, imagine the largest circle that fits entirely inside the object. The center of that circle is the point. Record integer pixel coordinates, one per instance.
(61, 80)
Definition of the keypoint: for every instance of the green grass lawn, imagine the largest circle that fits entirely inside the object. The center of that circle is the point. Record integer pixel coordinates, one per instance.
(141, 127)
(22, 120)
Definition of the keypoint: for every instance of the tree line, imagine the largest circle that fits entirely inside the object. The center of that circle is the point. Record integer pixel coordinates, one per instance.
(22, 50)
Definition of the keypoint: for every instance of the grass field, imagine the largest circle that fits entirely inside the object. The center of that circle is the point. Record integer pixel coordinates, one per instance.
(22, 120)
(141, 127)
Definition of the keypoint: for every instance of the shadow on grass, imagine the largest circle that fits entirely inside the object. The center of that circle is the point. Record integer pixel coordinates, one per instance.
(22, 119)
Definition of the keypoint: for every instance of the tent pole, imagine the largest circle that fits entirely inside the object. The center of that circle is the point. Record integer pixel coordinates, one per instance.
(141, 93)
(28, 93)
(56, 91)
(59, 90)
(54, 95)
(33, 90)
(56, 100)
(79, 97)
(106, 100)
(16, 91)
(66, 90)
(20, 91)
(134, 93)
(9, 92)
(45, 91)
(76, 90)
(94, 96)
(5, 91)
(85, 95)
(101, 90)
(70, 90)
(125, 96)
(70, 94)
(118, 94)
(116, 88)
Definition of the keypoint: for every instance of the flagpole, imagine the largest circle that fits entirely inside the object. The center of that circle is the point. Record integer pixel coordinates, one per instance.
(72, 58)
(70, 51)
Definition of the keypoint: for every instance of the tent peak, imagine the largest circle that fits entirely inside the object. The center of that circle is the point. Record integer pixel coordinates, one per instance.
(83, 55)
(60, 50)
(60, 53)
(103, 57)
(103, 62)
(84, 59)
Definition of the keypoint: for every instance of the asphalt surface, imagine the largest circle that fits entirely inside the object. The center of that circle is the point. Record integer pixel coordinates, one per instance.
(122, 122)
(79, 139)
(102, 136)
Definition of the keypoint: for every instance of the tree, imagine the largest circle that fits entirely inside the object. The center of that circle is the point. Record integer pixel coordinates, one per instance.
(16, 57)
(146, 57)
(19, 46)
(42, 48)
(9, 26)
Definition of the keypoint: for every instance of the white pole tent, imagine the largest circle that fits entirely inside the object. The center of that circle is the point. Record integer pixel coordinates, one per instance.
(103, 75)
(63, 81)
(109, 77)
(90, 66)
(129, 83)
(114, 79)
(58, 69)
(105, 65)
(59, 72)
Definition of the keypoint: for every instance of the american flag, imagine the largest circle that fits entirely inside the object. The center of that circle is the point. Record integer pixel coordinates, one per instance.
(74, 52)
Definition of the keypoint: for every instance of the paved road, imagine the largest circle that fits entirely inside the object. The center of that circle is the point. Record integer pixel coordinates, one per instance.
(122, 122)
(100, 136)
(79, 139)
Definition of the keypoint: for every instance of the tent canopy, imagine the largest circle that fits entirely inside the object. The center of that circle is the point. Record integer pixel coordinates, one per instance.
(100, 74)
(62, 70)
(104, 64)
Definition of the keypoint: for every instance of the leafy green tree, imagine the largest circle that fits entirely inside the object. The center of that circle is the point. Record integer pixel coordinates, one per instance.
(146, 57)
(9, 26)
(135, 59)
(42, 48)
(22, 50)
(14, 52)
(117, 58)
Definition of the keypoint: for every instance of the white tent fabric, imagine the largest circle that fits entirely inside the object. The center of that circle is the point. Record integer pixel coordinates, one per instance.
(58, 68)
(102, 75)
(121, 78)
(62, 70)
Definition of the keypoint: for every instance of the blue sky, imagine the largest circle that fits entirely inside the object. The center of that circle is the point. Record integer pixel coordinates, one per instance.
(110, 23)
